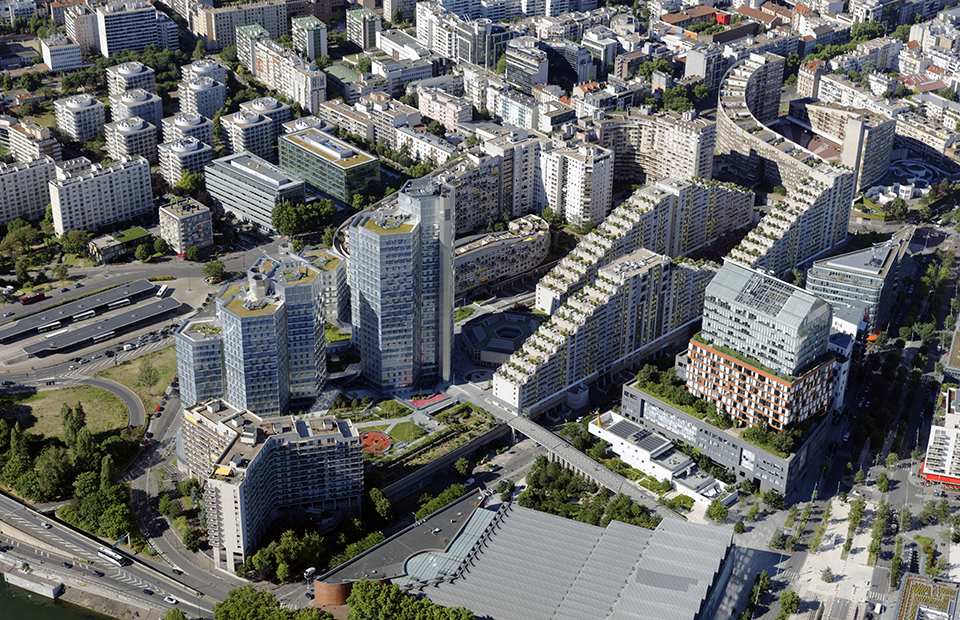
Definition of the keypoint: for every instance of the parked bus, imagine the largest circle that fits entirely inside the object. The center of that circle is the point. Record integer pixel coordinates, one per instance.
(112, 556)
(118, 304)
(55, 334)
(162, 291)
(89, 314)
(49, 327)
(105, 336)
(32, 298)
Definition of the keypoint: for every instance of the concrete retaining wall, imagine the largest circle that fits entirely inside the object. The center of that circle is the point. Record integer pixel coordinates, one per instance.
(49, 588)
(418, 479)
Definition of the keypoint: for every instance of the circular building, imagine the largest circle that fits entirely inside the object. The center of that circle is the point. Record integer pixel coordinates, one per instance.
(491, 339)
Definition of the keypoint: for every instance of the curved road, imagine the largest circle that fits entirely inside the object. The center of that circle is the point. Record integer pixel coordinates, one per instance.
(125, 394)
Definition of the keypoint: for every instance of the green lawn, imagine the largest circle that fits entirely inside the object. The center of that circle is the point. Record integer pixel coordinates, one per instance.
(393, 409)
(40, 412)
(462, 313)
(407, 431)
(127, 373)
(333, 334)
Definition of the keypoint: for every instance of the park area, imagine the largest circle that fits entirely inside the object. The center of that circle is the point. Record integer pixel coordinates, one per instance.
(147, 376)
(39, 412)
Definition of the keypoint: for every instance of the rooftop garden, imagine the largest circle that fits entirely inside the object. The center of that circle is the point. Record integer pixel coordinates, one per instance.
(923, 592)
(666, 386)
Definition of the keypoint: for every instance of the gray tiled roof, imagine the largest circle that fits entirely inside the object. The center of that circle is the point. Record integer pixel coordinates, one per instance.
(534, 565)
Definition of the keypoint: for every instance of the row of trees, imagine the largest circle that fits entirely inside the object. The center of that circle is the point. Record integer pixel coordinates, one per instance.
(278, 558)
(290, 218)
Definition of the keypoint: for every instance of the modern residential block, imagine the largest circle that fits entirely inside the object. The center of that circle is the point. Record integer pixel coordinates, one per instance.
(130, 75)
(527, 64)
(637, 306)
(130, 25)
(257, 469)
(183, 155)
(199, 347)
(30, 140)
(330, 166)
(250, 132)
(485, 260)
(137, 102)
(217, 26)
(578, 182)
(309, 36)
(186, 223)
(81, 23)
(362, 27)
(941, 463)
(444, 108)
(24, 189)
(87, 196)
(202, 96)
(205, 67)
(762, 355)
(250, 187)
(335, 290)
(80, 116)
(129, 137)
(187, 125)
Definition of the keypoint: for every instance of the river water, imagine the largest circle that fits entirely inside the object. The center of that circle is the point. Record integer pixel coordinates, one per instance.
(24, 605)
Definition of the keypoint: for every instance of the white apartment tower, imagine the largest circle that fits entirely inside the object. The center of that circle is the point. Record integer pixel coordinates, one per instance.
(309, 36)
(578, 182)
(130, 75)
(249, 131)
(25, 190)
(183, 155)
(95, 195)
(137, 102)
(202, 96)
(81, 116)
(204, 68)
(128, 25)
(129, 137)
(81, 23)
(187, 125)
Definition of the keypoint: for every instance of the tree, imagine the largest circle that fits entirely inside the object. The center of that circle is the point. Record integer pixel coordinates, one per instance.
(174, 614)
(701, 92)
(327, 237)
(717, 511)
(71, 421)
(778, 540)
(789, 603)
(436, 129)
(859, 477)
(773, 499)
(108, 473)
(463, 467)
(754, 512)
(147, 375)
(364, 65)
(193, 253)
(75, 242)
(53, 468)
(200, 51)
(739, 527)
(86, 452)
(283, 572)
(60, 272)
(191, 539)
(883, 483)
(189, 183)
(397, 16)
(143, 253)
(229, 54)
(214, 269)
(22, 270)
(892, 459)
(827, 575)
(501, 67)
(380, 503)
(31, 81)
(160, 246)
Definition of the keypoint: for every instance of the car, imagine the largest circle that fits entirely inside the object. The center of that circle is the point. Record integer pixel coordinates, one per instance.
(66, 564)
(45, 526)
(64, 290)
(83, 360)
(6, 314)
(109, 353)
(9, 383)
(96, 356)
(98, 573)
(148, 435)
(159, 408)
(71, 367)
(119, 347)
(177, 571)
(170, 599)
(148, 592)
(78, 285)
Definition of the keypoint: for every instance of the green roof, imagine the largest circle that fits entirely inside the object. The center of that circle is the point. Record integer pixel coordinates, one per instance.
(308, 22)
(131, 234)
(342, 74)
(372, 225)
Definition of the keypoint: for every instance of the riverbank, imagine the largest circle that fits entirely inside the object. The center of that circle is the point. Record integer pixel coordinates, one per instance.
(108, 607)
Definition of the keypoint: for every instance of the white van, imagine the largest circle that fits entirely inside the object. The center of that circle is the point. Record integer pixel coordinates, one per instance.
(307, 574)
(129, 347)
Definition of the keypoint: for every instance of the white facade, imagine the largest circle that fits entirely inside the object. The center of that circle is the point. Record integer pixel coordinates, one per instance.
(186, 223)
(130, 75)
(137, 102)
(187, 125)
(202, 96)
(578, 183)
(444, 108)
(129, 137)
(60, 53)
(128, 25)
(183, 154)
(81, 116)
(205, 67)
(99, 195)
(81, 23)
(24, 189)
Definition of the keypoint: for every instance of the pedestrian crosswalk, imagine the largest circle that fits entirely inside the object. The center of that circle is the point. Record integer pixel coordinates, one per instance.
(875, 596)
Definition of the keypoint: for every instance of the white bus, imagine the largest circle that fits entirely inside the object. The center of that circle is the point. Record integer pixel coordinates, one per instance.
(118, 304)
(103, 336)
(89, 314)
(112, 556)
(49, 327)
(162, 291)
(55, 334)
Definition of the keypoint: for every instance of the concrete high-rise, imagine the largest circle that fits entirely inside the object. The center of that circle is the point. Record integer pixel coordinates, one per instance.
(402, 287)
(578, 182)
